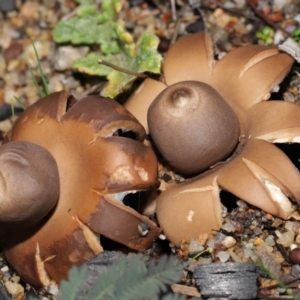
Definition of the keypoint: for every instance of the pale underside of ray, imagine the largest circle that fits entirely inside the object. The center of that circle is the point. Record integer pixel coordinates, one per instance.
(245, 75)
(250, 175)
(190, 58)
(261, 175)
(275, 122)
(187, 210)
(142, 98)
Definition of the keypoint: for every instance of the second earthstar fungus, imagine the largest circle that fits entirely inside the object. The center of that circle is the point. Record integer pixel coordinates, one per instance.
(244, 162)
(92, 155)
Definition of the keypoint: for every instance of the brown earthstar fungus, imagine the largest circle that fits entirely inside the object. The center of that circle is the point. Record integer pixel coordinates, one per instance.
(28, 192)
(97, 146)
(200, 141)
(256, 170)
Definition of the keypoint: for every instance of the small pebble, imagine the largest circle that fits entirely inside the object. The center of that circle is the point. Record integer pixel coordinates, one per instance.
(294, 256)
(223, 256)
(286, 239)
(229, 227)
(228, 242)
(195, 247)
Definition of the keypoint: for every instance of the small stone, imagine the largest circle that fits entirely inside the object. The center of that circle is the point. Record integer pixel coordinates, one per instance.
(297, 239)
(4, 269)
(66, 55)
(229, 227)
(13, 50)
(277, 222)
(289, 226)
(15, 289)
(286, 239)
(241, 204)
(294, 256)
(270, 240)
(228, 242)
(223, 256)
(257, 231)
(195, 247)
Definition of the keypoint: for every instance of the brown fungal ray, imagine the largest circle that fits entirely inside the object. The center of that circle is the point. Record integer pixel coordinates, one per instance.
(28, 193)
(257, 171)
(186, 210)
(190, 58)
(275, 122)
(192, 126)
(253, 176)
(233, 76)
(97, 167)
(245, 75)
(263, 176)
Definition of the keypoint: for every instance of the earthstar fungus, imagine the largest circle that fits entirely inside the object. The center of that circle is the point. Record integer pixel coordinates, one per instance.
(97, 146)
(256, 171)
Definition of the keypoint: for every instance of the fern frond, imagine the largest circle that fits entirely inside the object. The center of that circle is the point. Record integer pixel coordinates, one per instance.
(174, 297)
(69, 290)
(146, 284)
(106, 283)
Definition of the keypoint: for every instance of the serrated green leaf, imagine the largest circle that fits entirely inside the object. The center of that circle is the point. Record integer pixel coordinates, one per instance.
(146, 59)
(69, 290)
(90, 27)
(84, 11)
(116, 44)
(86, 2)
(89, 65)
(77, 31)
(110, 9)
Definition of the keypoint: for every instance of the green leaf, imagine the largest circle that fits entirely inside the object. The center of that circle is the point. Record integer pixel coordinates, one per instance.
(89, 27)
(110, 8)
(84, 11)
(116, 44)
(77, 31)
(145, 58)
(86, 2)
(69, 290)
(89, 65)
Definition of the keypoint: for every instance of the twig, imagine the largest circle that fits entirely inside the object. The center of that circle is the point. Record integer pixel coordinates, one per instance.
(273, 286)
(266, 20)
(176, 31)
(122, 70)
(173, 9)
(276, 298)
(185, 290)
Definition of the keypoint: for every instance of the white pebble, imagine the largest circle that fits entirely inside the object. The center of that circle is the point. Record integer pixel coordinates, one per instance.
(229, 227)
(195, 247)
(223, 256)
(270, 240)
(229, 242)
(4, 269)
(286, 239)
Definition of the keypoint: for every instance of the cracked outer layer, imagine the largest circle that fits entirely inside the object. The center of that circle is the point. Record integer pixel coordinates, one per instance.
(94, 164)
(257, 172)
